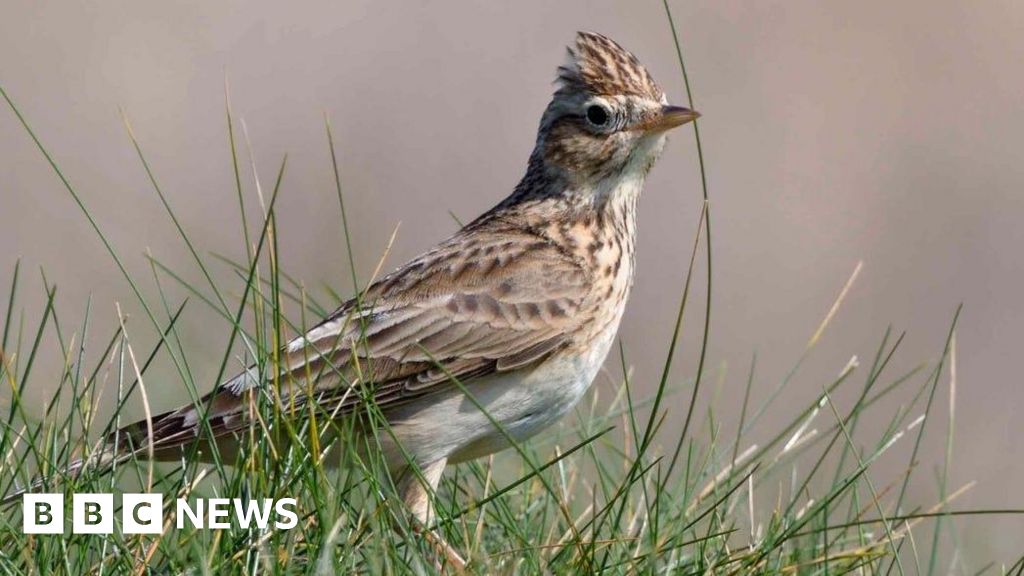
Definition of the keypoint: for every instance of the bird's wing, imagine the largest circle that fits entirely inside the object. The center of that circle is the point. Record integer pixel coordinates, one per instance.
(475, 305)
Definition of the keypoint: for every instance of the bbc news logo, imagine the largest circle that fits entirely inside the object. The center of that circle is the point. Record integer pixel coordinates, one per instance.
(143, 513)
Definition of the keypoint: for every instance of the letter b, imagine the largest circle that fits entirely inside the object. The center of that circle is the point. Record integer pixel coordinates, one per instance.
(42, 513)
(92, 514)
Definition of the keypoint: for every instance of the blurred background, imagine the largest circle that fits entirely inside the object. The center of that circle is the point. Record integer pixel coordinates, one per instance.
(834, 132)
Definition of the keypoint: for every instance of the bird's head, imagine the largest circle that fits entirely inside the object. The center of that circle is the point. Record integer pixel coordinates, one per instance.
(608, 118)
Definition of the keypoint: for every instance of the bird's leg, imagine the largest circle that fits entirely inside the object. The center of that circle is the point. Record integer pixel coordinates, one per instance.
(445, 551)
(417, 492)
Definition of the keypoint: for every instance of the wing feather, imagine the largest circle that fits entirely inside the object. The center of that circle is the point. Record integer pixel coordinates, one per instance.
(484, 302)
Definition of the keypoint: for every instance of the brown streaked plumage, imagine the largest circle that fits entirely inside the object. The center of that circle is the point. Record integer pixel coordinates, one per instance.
(520, 306)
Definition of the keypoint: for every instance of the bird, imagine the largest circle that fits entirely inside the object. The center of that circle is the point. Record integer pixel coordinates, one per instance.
(494, 334)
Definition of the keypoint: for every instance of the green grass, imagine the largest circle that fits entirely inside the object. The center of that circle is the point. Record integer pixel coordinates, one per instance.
(613, 490)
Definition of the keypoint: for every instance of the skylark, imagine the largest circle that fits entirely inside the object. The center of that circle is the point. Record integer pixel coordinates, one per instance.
(517, 310)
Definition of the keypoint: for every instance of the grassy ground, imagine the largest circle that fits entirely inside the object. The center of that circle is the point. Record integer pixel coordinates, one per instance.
(611, 490)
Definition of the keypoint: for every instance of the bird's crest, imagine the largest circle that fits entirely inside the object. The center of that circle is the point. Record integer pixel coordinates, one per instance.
(597, 65)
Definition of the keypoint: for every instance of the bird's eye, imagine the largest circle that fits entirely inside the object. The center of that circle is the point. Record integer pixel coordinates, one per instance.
(597, 115)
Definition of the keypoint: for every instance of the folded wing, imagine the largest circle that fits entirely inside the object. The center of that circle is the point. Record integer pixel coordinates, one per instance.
(474, 306)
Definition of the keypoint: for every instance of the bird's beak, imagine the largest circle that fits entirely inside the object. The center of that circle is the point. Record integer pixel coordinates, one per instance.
(669, 117)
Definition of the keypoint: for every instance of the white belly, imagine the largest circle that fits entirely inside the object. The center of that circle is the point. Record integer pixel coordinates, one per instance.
(450, 425)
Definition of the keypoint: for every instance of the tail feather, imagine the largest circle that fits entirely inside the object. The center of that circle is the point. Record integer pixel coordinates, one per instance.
(159, 436)
(101, 459)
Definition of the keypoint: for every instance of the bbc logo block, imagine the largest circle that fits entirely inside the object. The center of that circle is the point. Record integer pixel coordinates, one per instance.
(143, 513)
(43, 514)
(92, 513)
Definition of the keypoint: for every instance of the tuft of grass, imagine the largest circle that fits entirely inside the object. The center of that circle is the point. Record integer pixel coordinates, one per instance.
(599, 495)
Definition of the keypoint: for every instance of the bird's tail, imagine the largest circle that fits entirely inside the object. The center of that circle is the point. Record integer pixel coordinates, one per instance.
(162, 437)
(121, 445)
(102, 458)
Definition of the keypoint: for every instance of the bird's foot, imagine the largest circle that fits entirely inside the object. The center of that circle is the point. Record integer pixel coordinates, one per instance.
(447, 556)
